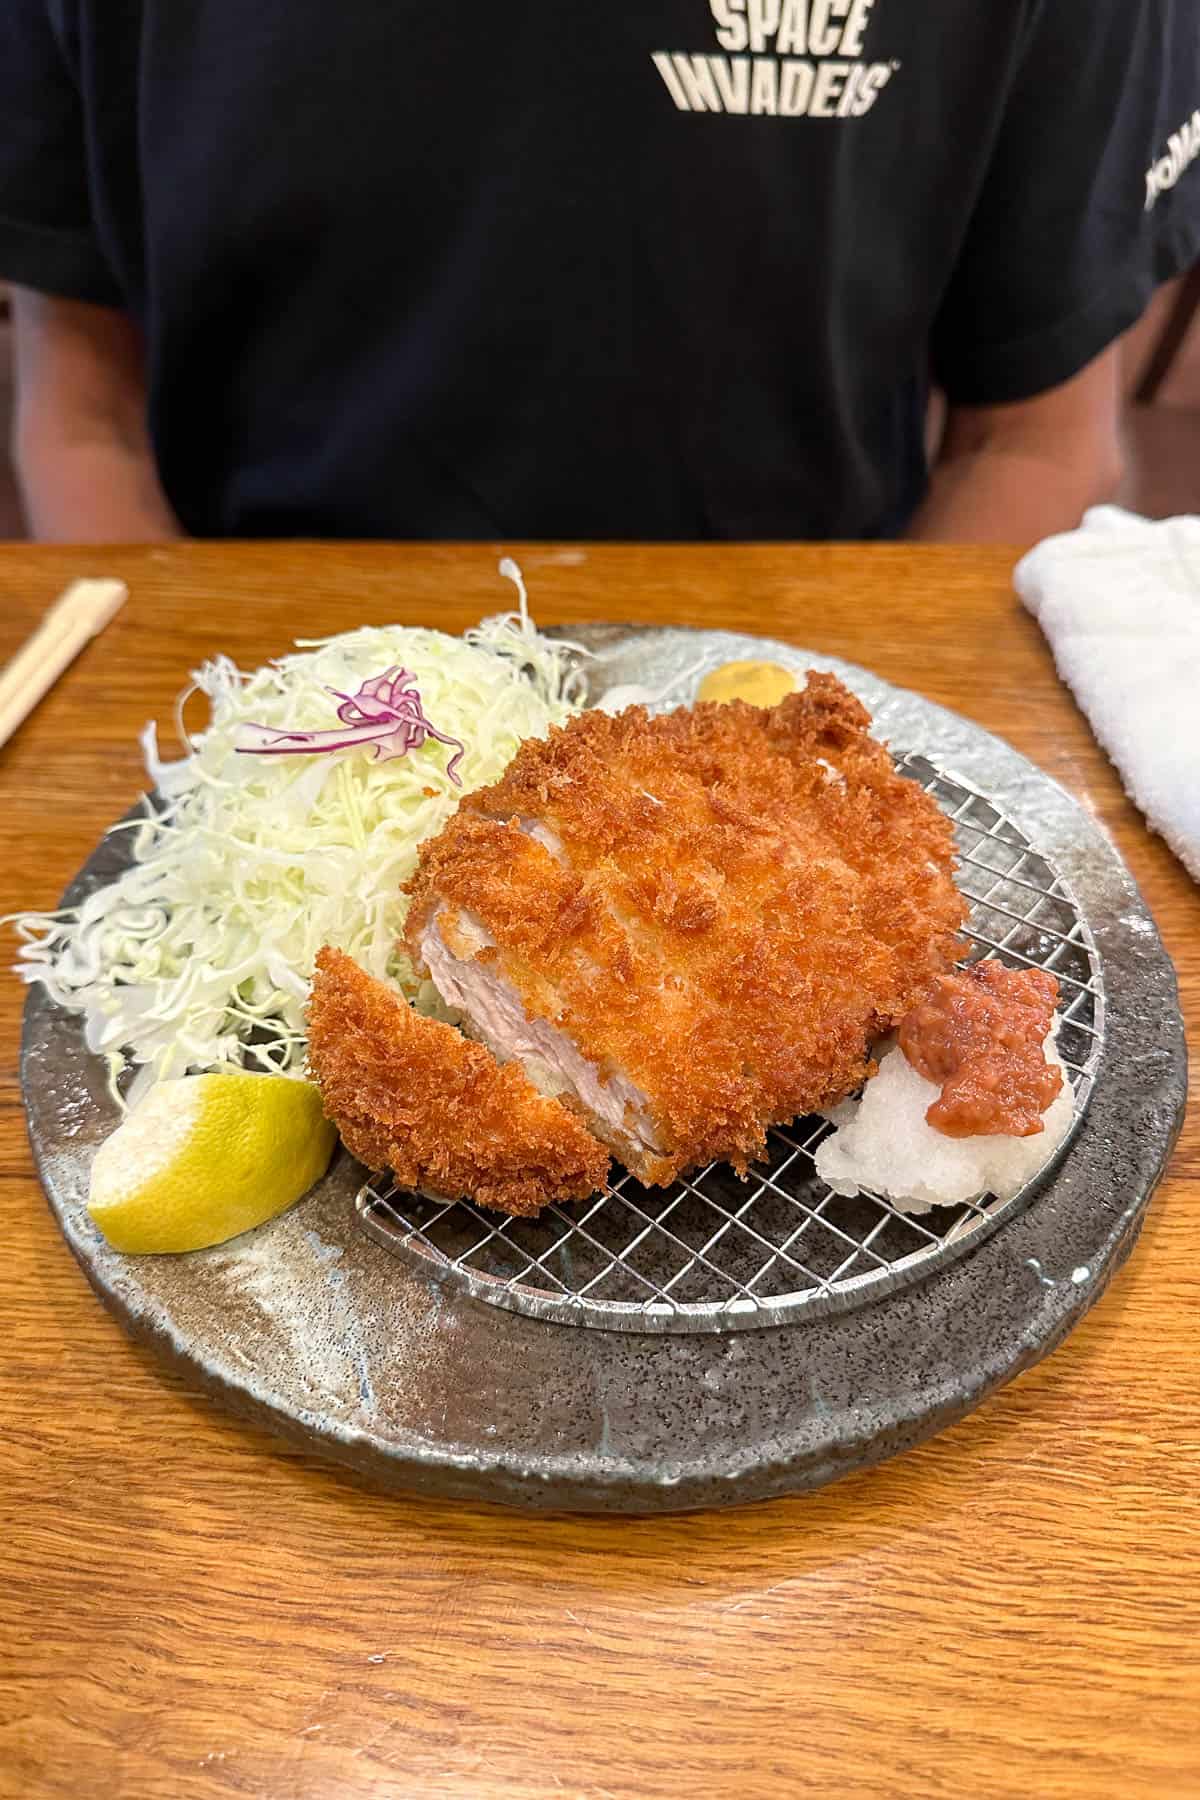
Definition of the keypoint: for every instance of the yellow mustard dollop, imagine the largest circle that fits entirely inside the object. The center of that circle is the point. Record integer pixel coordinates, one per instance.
(759, 683)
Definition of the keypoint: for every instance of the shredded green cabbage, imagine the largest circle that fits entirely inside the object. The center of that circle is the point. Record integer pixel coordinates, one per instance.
(199, 955)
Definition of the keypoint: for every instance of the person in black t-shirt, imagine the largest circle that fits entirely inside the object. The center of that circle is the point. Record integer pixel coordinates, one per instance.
(679, 269)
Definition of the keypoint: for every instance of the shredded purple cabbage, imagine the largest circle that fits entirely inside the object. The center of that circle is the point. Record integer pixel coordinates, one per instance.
(386, 712)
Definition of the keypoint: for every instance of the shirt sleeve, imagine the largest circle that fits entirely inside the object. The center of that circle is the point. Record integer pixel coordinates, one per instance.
(47, 240)
(1091, 198)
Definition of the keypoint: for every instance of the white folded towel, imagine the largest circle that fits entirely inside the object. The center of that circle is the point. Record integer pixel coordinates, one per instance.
(1119, 600)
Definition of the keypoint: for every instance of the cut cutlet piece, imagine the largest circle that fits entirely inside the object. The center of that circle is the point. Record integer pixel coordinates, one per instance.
(692, 926)
(412, 1095)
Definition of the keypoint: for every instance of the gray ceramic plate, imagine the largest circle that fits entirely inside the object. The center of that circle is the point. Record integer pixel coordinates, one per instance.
(311, 1328)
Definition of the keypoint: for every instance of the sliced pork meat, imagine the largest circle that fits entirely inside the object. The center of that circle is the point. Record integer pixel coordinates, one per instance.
(492, 1011)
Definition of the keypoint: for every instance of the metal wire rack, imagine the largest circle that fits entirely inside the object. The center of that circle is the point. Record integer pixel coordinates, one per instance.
(713, 1253)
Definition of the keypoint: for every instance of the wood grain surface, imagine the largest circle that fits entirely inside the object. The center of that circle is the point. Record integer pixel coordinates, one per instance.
(189, 1610)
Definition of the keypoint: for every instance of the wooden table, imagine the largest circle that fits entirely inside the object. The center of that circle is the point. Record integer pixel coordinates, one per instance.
(189, 1610)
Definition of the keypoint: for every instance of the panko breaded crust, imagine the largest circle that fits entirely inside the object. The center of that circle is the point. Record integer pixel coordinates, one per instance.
(745, 898)
(412, 1095)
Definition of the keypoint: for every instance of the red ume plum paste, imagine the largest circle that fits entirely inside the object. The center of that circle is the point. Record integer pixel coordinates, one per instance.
(978, 1035)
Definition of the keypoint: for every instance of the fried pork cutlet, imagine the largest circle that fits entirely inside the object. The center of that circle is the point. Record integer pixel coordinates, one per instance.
(691, 927)
(412, 1095)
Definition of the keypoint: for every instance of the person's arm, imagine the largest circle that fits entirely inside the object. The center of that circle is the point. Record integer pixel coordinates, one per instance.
(1014, 474)
(80, 443)
(1088, 201)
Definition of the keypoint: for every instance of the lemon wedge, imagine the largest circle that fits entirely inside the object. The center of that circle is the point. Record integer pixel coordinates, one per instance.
(761, 683)
(206, 1157)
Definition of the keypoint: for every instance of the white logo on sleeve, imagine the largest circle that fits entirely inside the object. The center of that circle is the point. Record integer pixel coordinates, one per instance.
(1183, 147)
(805, 61)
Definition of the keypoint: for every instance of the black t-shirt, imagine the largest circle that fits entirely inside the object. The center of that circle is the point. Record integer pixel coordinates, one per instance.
(663, 269)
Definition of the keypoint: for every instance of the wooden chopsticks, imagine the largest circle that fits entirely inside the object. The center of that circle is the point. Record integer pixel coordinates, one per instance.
(77, 615)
